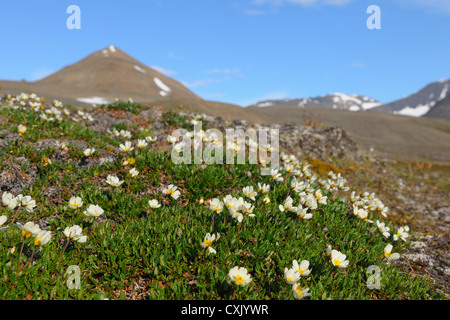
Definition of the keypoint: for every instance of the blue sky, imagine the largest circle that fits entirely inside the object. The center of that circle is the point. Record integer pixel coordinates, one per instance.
(242, 51)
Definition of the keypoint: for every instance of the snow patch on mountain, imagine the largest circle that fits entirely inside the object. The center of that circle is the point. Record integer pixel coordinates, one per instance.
(139, 69)
(265, 104)
(418, 111)
(165, 90)
(93, 100)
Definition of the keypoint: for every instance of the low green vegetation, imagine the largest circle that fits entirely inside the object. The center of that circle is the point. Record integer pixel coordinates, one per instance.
(152, 229)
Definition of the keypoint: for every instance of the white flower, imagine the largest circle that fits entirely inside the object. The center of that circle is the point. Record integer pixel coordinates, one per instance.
(3, 220)
(309, 201)
(75, 202)
(302, 213)
(57, 103)
(93, 211)
(171, 139)
(229, 201)
(26, 202)
(288, 205)
(154, 204)
(172, 191)
(291, 276)
(134, 173)
(29, 229)
(89, 152)
(265, 188)
(240, 276)
(150, 139)
(401, 233)
(61, 145)
(207, 242)
(266, 200)
(320, 198)
(142, 143)
(126, 147)
(9, 201)
(302, 268)
(75, 233)
(388, 253)
(125, 134)
(338, 259)
(383, 229)
(235, 214)
(113, 181)
(300, 293)
(275, 175)
(21, 129)
(216, 205)
(249, 192)
(42, 238)
(328, 251)
(247, 209)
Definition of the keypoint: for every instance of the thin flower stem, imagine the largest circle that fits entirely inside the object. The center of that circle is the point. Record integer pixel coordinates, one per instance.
(20, 255)
(229, 227)
(31, 259)
(292, 229)
(15, 214)
(239, 229)
(67, 243)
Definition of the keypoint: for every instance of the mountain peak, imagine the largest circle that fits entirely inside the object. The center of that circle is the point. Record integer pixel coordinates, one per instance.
(111, 73)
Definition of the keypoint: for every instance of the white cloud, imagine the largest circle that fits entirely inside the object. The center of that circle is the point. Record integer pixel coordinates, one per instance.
(434, 6)
(199, 82)
(164, 71)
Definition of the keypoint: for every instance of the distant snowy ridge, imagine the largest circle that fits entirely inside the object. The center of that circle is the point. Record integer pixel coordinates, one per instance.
(341, 101)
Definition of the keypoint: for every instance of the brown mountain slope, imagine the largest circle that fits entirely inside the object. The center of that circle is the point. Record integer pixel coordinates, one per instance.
(111, 73)
(401, 137)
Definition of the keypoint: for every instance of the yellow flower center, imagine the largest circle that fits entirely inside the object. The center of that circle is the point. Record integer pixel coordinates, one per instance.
(299, 291)
(239, 279)
(387, 254)
(26, 234)
(301, 271)
(289, 279)
(336, 262)
(207, 243)
(37, 241)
